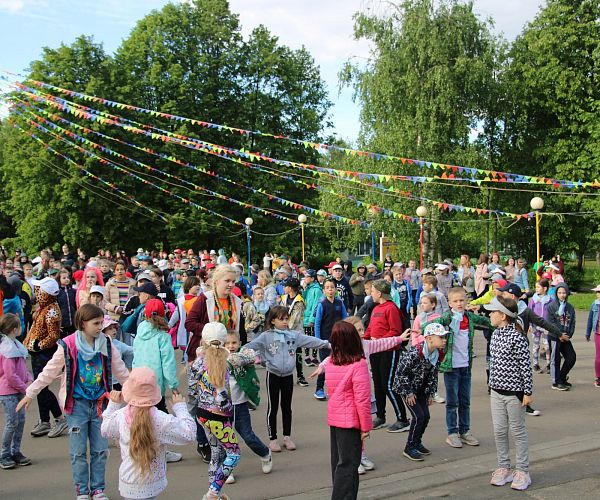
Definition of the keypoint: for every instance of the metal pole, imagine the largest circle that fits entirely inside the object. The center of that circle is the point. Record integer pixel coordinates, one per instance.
(537, 241)
(372, 242)
(249, 260)
(421, 244)
(302, 230)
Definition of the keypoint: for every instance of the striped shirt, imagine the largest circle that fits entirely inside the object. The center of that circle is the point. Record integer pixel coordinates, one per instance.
(123, 287)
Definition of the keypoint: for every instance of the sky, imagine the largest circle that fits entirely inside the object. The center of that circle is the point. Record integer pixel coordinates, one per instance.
(324, 27)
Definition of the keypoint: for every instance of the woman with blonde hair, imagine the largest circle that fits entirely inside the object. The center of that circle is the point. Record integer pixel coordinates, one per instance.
(218, 304)
(265, 281)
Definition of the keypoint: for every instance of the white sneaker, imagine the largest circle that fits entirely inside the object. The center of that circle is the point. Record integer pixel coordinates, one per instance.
(230, 479)
(361, 470)
(367, 463)
(438, 399)
(267, 463)
(172, 456)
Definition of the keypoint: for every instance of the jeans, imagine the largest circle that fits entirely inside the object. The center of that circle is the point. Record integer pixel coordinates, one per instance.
(323, 353)
(420, 418)
(84, 425)
(458, 400)
(346, 450)
(508, 411)
(47, 401)
(13, 428)
(565, 351)
(243, 426)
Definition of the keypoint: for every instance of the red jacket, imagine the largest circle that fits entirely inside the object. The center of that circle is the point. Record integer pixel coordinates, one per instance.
(349, 389)
(386, 321)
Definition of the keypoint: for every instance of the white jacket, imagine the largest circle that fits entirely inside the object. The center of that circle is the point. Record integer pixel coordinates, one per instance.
(179, 429)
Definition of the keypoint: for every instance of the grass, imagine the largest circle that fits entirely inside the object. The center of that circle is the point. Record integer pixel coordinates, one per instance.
(582, 300)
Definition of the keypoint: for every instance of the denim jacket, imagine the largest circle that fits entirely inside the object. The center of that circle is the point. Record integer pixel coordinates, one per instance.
(592, 323)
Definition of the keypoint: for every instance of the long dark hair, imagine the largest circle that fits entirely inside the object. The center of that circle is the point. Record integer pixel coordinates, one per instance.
(346, 346)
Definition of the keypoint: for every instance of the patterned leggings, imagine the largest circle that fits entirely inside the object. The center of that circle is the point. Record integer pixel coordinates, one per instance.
(540, 336)
(224, 451)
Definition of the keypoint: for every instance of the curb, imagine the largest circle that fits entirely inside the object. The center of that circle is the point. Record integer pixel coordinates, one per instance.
(414, 480)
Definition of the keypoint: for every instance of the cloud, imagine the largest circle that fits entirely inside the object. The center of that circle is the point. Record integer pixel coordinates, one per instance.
(17, 6)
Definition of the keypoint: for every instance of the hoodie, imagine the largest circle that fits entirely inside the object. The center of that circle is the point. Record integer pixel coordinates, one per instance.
(45, 331)
(153, 348)
(14, 376)
(562, 314)
(539, 304)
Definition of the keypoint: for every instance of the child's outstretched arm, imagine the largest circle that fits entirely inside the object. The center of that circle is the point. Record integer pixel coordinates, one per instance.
(51, 372)
(110, 425)
(242, 358)
(310, 342)
(178, 429)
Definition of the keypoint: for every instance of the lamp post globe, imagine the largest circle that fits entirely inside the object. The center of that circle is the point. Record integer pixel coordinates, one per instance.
(536, 203)
(302, 219)
(421, 211)
(249, 221)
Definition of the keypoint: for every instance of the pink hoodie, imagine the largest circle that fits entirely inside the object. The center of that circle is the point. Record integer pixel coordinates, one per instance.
(349, 388)
(14, 376)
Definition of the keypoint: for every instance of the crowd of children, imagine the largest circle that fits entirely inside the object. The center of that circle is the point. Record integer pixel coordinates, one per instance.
(114, 349)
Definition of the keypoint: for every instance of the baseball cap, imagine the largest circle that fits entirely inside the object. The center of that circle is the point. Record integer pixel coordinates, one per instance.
(292, 282)
(210, 265)
(330, 265)
(384, 287)
(322, 272)
(48, 285)
(148, 288)
(185, 261)
(311, 273)
(36, 260)
(97, 289)
(144, 276)
(283, 256)
(337, 266)
(434, 329)
(154, 307)
(495, 305)
(512, 288)
(500, 282)
(78, 275)
(442, 266)
(214, 333)
(177, 250)
(212, 252)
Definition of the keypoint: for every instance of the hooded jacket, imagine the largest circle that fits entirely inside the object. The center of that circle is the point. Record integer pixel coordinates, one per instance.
(565, 321)
(66, 302)
(312, 295)
(592, 323)
(45, 331)
(528, 317)
(153, 348)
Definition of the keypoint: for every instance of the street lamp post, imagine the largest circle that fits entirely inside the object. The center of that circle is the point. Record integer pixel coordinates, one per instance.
(372, 212)
(537, 204)
(248, 222)
(421, 213)
(302, 220)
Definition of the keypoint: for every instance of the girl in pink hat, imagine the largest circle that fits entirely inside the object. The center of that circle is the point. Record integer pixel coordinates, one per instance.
(143, 433)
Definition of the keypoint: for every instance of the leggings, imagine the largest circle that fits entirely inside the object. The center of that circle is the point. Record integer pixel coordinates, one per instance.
(275, 386)
(310, 330)
(224, 452)
(383, 369)
(597, 359)
(47, 402)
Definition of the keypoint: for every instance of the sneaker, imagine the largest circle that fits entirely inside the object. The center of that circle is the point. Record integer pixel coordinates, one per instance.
(7, 463)
(536, 369)
(20, 459)
(320, 395)
(412, 454)
(204, 451)
(399, 426)
(308, 362)
(274, 446)
(230, 479)
(438, 399)
(266, 463)
(597, 382)
(454, 441)
(422, 450)
(315, 362)
(98, 495)
(521, 480)
(367, 463)
(378, 423)
(547, 370)
(469, 439)
(531, 412)
(560, 387)
(302, 382)
(568, 384)
(82, 497)
(501, 476)
(40, 429)
(361, 470)
(288, 444)
(59, 427)
(172, 457)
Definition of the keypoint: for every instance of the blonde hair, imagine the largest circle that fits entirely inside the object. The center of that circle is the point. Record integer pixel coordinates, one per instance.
(221, 271)
(215, 358)
(143, 446)
(264, 278)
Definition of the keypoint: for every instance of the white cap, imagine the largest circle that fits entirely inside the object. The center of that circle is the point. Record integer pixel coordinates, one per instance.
(499, 271)
(97, 289)
(48, 285)
(140, 250)
(212, 252)
(36, 260)
(442, 267)
(214, 332)
(162, 264)
(337, 266)
(91, 263)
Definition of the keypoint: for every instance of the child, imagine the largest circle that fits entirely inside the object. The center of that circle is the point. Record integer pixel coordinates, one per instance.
(261, 306)
(66, 302)
(427, 308)
(152, 347)
(562, 315)
(593, 326)
(209, 386)
(293, 301)
(349, 407)
(511, 386)
(14, 379)
(143, 431)
(110, 328)
(539, 305)
(416, 381)
(329, 310)
(84, 360)
(312, 294)
(456, 366)
(386, 321)
(96, 297)
(244, 387)
(252, 319)
(277, 347)
(429, 286)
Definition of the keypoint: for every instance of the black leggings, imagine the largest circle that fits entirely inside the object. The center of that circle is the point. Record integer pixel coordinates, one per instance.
(275, 386)
(420, 418)
(47, 402)
(383, 368)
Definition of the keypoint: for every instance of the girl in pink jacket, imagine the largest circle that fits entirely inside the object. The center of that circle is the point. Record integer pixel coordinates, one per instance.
(349, 407)
(14, 379)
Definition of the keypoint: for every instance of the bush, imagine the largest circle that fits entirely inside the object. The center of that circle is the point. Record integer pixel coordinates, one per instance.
(573, 277)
